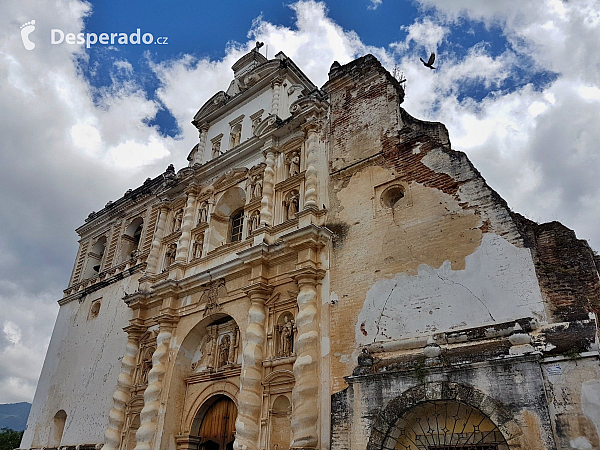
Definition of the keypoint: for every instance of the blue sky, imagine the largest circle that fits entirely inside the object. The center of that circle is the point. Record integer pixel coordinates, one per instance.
(517, 84)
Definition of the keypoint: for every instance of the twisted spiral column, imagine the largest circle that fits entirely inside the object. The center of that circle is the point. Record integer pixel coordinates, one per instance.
(247, 424)
(311, 179)
(305, 407)
(116, 416)
(268, 197)
(148, 417)
(159, 232)
(183, 246)
(275, 99)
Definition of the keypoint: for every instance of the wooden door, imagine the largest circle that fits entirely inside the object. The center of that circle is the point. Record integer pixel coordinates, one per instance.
(217, 431)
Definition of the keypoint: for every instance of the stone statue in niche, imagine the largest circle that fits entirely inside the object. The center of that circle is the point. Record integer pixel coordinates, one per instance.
(256, 186)
(146, 365)
(216, 149)
(291, 205)
(177, 221)
(197, 247)
(254, 221)
(294, 164)
(170, 255)
(203, 216)
(224, 351)
(235, 136)
(286, 338)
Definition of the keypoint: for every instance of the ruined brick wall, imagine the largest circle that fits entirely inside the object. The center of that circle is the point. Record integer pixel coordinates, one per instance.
(566, 267)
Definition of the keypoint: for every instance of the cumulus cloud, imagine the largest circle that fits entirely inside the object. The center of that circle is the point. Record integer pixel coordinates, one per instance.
(68, 147)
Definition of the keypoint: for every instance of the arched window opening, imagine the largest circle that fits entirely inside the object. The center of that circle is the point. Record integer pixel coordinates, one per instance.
(130, 241)
(95, 257)
(237, 226)
(444, 425)
(58, 427)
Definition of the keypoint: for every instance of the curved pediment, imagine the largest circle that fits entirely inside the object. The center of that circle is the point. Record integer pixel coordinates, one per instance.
(212, 105)
(269, 123)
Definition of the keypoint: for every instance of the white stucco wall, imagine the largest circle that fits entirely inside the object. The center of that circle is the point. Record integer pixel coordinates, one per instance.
(497, 284)
(81, 368)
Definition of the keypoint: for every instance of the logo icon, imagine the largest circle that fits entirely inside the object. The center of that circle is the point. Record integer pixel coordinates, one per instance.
(26, 30)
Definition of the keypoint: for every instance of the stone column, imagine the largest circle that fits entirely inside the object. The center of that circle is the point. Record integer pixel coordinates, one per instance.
(149, 415)
(116, 416)
(275, 100)
(159, 232)
(268, 191)
(247, 425)
(311, 183)
(199, 156)
(305, 394)
(183, 246)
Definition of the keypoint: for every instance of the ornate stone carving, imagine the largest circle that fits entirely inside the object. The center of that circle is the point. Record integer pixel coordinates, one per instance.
(170, 256)
(306, 367)
(266, 210)
(188, 218)
(203, 214)
(293, 161)
(254, 222)
(286, 337)
(177, 220)
(211, 295)
(291, 204)
(198, 245)
(312, 129)
(116, 416)
(148, 416)
(250, 399)
(256, 186)
(224, 351)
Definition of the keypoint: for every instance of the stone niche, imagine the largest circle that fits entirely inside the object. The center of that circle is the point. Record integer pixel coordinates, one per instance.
(219, 348)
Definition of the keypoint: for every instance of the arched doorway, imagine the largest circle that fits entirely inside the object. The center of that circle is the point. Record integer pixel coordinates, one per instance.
(217, 427)
(444, 425)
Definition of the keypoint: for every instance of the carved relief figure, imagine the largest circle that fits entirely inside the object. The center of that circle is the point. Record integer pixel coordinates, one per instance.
(177, 221)
(286, 338)
(203, 216)
(255, 124)
(294, 164)
(256, 186)
(197, 247)
(224, 351)
(216, 149)
(146, 365)
(235, 136)
(291, 205)
(254, 221)
(170, 255)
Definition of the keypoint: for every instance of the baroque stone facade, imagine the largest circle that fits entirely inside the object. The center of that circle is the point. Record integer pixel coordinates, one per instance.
(325, 273)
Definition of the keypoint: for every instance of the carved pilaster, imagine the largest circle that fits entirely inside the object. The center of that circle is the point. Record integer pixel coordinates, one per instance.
(149, 415)
(116, 416)
(312, 130)
(268, 189)
(305, 404)
(161, 223)
(247, 425)
(183, 246)
(275, 100)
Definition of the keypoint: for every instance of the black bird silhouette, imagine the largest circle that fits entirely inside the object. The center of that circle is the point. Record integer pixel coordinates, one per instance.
(430, 62)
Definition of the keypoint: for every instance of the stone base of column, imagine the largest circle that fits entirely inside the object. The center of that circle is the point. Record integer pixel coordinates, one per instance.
(187, 442)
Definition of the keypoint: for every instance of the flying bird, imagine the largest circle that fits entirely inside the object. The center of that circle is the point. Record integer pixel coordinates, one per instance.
(430, 62)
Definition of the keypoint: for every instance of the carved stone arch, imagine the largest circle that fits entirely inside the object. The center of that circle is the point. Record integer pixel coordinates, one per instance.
(385, 421)
(279, 377)
(203, 401)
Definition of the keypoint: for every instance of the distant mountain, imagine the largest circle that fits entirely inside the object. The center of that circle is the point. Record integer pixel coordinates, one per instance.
(14, 415)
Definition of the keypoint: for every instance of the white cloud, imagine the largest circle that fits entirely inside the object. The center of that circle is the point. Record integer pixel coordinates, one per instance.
(374, 4)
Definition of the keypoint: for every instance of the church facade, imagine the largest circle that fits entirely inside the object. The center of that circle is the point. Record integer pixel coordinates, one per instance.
(326, 273)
